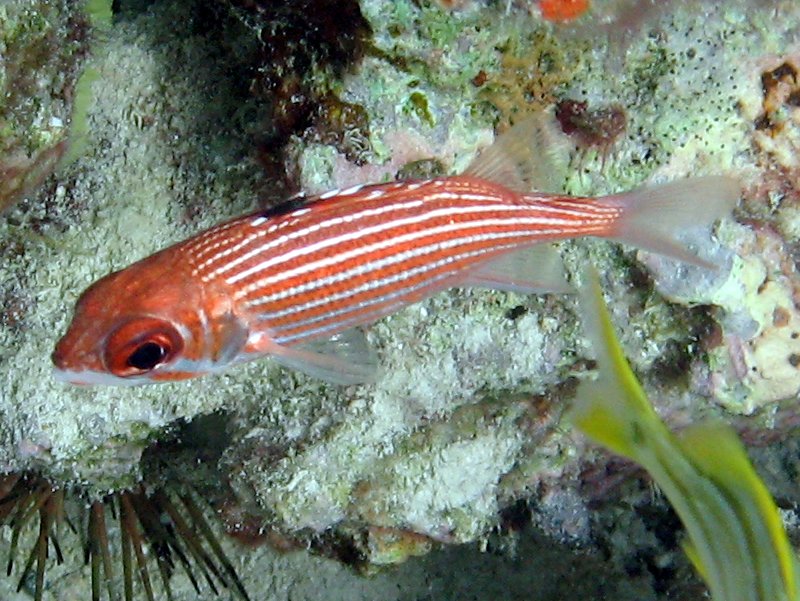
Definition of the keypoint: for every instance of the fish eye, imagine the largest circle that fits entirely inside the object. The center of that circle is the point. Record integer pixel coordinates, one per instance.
(140, 346)
(147, 356)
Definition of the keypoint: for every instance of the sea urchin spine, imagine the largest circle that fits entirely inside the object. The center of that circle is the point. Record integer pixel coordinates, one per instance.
(170, 523)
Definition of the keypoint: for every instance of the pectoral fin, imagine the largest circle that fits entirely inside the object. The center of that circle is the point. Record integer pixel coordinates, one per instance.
(346, 358)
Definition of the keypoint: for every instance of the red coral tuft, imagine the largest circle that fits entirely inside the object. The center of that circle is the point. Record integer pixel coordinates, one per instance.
(563, 10)
(597, 128)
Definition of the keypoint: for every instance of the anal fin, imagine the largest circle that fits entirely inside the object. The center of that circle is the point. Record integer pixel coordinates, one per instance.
(533, 270)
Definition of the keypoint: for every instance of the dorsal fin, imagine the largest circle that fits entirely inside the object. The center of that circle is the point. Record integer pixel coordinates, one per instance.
(531, 155)
(298, 201)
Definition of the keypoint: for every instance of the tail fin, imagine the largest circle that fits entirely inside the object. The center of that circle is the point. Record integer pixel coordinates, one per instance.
(654, 217)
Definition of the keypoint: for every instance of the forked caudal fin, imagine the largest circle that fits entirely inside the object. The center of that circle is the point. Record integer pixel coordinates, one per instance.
(653, 218)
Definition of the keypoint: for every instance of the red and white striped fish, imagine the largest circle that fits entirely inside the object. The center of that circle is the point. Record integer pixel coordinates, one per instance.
(292, 282)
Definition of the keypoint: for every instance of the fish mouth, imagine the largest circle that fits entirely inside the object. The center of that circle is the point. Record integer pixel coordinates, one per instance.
(62, 371)
(70, 377)
(66, 376)
(85, 378)
(64, 349)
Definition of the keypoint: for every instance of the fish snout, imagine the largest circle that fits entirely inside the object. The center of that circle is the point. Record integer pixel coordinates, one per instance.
(58, 358)
(68, 359)
(61, 354)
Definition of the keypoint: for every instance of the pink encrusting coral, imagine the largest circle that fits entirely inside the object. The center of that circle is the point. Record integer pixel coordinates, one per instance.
(591, 128)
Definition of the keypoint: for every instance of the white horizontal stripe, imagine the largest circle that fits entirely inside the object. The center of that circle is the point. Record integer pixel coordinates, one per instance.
(571, 205)
(332, 260)
(303, 233)
(353, 217)
(358, 306)
(380, 264)
(329, 194)
(339, 326)
(350, 235)
(210, 246)
(351, 190)
(217, 239)
(273, 227)
(479, 197)
(370, 316)
(377, 229)
(233, 248)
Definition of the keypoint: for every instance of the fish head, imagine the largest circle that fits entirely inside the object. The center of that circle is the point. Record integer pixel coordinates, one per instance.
(150, 322)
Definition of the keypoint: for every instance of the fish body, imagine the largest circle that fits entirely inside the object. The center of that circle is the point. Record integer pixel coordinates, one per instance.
(736, 538)
(293, 281)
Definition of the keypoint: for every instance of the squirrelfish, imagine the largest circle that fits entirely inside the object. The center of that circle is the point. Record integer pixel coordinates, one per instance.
(294, 281)
(736, 539)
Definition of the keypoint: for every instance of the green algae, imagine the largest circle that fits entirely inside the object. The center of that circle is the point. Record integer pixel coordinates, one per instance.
(43, 45)
(100, 12)
(417, 105)
(421, 169)
(408, 33)
(648, 72)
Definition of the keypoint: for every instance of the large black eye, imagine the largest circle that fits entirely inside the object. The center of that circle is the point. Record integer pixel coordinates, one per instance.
(147, 356)
(141, 345)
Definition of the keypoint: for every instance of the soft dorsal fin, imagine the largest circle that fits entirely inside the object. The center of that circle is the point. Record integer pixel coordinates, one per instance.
(531, 155)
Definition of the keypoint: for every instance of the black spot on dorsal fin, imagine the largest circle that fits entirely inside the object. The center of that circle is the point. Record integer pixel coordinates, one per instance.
(298, 201)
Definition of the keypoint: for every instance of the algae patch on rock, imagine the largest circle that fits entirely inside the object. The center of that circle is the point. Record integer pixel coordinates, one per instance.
(43, 46)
